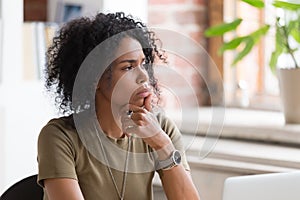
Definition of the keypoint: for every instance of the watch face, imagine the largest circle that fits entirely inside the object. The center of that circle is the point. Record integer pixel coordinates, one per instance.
(177, 157)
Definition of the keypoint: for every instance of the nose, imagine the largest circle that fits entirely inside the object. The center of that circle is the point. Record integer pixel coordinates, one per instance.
(142, 75)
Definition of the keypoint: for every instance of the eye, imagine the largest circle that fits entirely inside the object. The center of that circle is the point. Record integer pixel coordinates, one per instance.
(128, 68)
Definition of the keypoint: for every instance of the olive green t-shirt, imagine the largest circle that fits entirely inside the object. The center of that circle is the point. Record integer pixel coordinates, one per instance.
(62, 154)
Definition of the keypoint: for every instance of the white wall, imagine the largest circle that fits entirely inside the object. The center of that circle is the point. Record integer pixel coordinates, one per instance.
(12, 14)
(137, 8)
(11, 51)
(23, 106)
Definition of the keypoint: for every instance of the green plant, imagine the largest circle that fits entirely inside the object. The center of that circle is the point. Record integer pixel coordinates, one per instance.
(287, 29)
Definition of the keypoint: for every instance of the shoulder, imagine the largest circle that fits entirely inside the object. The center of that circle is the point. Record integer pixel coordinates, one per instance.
(58, 129)
(61, 123)
(65, 122)
(168, 126)
(165, 121)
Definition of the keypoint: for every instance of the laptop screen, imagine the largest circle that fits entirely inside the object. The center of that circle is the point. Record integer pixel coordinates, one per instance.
(273, 186)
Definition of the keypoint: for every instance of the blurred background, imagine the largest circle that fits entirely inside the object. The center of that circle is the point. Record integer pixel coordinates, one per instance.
(250, 91)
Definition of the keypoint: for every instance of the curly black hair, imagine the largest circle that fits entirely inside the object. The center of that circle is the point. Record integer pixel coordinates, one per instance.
(77, 38)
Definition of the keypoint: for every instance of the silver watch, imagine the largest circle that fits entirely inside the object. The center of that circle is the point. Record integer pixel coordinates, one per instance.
(172, 161)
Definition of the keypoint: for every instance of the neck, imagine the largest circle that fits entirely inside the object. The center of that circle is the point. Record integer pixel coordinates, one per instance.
(107, 120)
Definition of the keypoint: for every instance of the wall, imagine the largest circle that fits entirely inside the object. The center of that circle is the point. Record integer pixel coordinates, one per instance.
(11, 100)
(23, 105)
(187, 18)
(139, 9)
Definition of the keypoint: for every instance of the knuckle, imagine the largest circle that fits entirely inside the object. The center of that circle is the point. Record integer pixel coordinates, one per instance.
(143, 117)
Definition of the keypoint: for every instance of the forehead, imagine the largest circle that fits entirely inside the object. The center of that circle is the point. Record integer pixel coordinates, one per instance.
(129, 47)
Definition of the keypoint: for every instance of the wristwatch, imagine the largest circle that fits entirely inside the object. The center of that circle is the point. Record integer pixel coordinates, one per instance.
(172, 161)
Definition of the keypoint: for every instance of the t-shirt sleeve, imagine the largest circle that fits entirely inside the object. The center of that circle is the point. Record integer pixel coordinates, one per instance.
(171, 129)
(56, 155)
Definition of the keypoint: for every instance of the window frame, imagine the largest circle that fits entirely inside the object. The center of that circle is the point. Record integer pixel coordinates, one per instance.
(261, 100)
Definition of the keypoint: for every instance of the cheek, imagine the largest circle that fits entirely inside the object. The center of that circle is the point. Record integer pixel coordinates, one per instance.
(123, 89)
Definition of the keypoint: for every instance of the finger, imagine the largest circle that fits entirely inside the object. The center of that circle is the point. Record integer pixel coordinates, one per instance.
(147, 103)
(140, 123)
(136, 109)
(138, 116)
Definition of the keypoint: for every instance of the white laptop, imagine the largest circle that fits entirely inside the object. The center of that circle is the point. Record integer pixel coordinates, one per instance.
(273, 186)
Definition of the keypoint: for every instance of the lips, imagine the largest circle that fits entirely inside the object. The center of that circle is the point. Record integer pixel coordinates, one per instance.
(143, 93)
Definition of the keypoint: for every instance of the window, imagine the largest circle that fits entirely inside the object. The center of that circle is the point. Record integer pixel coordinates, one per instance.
(251, 84)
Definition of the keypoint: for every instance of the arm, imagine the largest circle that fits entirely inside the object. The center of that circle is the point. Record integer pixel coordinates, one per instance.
(62, 188)
(177, 182)
(56, 155)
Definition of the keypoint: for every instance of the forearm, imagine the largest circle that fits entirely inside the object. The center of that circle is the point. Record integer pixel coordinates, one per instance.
(178, 184)
(176, 181)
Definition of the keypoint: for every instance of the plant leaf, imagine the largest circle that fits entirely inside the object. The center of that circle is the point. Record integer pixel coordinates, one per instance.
(220, 29)
(273, 60)
(286, 5)
(294, 29)
(279, 47)
(231, 45)
(280, 39)
(255, 3)
(249, 43)
(260, 32)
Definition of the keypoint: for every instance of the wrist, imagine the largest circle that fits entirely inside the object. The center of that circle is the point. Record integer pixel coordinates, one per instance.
(158, 141)
(165, 152)
(173, 160)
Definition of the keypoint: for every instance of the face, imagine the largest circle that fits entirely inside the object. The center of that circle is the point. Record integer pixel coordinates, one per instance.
(129, 81)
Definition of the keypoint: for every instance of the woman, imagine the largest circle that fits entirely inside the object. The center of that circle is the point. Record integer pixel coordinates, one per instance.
(112, 139)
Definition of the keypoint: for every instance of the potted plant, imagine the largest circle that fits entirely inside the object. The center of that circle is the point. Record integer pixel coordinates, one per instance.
(287, 43)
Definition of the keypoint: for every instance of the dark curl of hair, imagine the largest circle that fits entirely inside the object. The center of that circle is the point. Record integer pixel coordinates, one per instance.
(76, 39)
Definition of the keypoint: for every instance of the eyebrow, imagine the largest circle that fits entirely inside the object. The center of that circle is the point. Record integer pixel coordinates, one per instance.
(131, 60)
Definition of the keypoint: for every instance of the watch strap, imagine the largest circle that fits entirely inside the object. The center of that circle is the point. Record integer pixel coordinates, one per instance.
(172, 161)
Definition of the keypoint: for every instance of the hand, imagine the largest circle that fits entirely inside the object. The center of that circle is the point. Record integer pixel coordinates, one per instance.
(140, 120)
